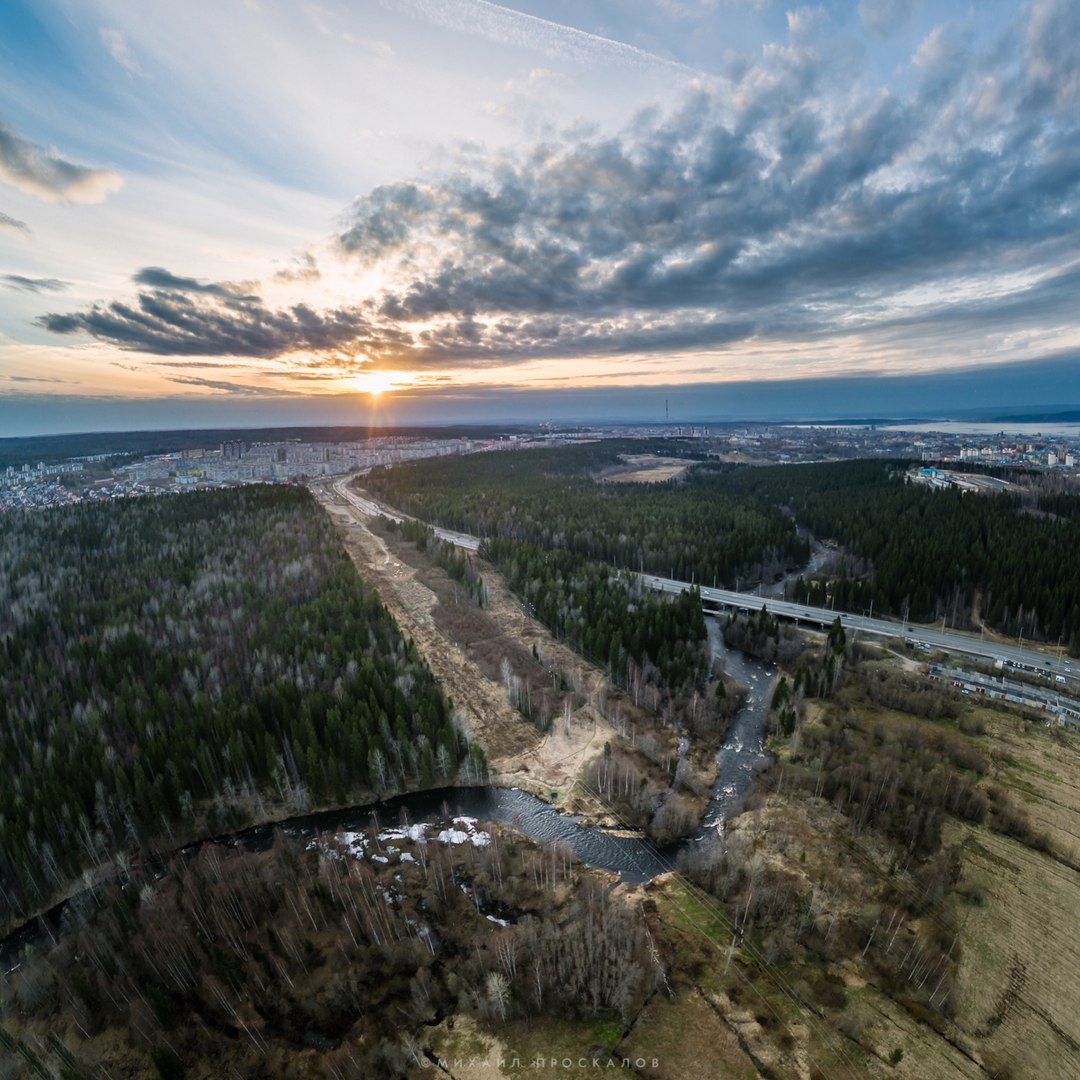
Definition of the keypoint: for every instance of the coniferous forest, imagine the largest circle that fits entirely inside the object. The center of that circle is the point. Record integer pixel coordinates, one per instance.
(556, 499)
(176, 666)
(925, 553)
(1007, 560)
(561, 536)
(604, 618)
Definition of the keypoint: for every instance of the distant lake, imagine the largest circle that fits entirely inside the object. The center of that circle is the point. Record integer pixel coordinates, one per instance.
(963, 427)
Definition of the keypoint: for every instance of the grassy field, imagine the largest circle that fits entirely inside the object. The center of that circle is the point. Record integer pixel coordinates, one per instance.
(811, 1004)
(1019, 987)
(819, 1008)
(1041, 766)
(1018, 994)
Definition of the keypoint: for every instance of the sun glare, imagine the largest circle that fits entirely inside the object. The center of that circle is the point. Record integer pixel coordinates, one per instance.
(380, 382)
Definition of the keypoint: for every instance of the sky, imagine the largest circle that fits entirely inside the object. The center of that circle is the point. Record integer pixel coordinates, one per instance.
(272, 211)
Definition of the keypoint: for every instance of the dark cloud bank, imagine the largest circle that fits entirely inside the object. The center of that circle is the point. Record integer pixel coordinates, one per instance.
(175, 316)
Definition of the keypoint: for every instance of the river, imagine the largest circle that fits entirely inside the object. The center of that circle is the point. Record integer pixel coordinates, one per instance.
(632, 857)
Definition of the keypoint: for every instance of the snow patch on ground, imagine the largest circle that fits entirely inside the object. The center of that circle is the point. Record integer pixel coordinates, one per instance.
(465, 831)
(462, 830)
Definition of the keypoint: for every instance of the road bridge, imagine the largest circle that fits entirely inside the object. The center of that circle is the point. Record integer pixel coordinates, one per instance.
(929, 637)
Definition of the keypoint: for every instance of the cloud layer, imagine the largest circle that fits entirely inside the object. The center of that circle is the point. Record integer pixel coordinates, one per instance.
(774, 205)
(175, 316)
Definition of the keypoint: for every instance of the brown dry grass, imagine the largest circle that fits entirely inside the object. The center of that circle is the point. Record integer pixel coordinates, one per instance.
(464, 1051)
(687, 1037)
(1017, 991)
(646, 469)
(809, 838)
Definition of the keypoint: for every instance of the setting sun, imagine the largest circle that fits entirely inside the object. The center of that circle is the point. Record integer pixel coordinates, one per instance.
(380, 382)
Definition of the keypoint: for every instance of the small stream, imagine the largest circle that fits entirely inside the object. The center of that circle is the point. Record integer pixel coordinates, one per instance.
(743, 754)
(633, 858)
(819, 556)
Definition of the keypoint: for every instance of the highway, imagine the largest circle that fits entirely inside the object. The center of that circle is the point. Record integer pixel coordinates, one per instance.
(934, 638)
(369, 508)
(461, 540)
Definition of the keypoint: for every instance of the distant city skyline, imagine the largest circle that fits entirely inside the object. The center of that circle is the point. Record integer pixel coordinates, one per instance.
(259, 213)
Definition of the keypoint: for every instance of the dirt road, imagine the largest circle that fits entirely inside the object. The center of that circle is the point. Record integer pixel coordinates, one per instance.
(518, 753)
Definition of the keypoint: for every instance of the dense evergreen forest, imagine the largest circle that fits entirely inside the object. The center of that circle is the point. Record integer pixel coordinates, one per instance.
(559, 535)
(612, 621)
(556, 499)
(928, 554)
(1007, 560)
(186, 664)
